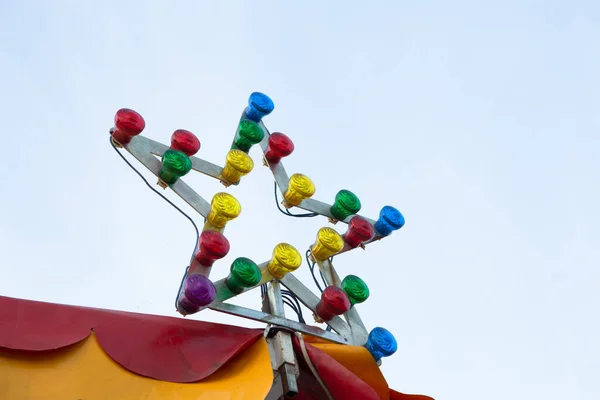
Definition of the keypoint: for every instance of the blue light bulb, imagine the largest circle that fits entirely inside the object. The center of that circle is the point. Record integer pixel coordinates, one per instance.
(381, 343)
(389, 220)
(259, 105)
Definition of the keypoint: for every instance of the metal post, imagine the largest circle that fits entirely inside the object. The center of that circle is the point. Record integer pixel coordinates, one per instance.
(283, 360)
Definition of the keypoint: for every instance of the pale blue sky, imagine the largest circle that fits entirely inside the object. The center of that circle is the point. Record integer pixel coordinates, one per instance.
(479, 120)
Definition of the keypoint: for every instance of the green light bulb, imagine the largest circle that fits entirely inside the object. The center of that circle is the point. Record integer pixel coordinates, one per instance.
(356, 289)
(175, 164)
(244, 273)
(346, 203)
(248, 134)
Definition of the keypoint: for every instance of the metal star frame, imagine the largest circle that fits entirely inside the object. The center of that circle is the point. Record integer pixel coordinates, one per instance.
(347, 330)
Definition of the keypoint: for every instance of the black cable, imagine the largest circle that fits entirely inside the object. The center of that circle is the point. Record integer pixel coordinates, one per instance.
(168, 201)
(325, 284)
(158, 193)
(295, 299)
(289, 299)
(291, 305)
(287, 212)
(292, 295)
(311, 267)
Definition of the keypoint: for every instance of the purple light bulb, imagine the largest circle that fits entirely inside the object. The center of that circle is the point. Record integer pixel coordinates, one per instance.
(198, 292)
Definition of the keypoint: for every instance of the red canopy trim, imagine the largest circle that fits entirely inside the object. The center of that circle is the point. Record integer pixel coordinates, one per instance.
(164, 348)
(340, 382)
(401, 396)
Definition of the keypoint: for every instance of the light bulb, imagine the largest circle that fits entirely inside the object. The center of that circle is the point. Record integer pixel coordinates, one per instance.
(198, 292)
(285, 259)
(346, 203)
(223, 208)
(334, 301)
(128, 124)
(356, 289)
(328, 243)
(381, 343)
(359, 231)
(259, 106)
(300, 187)
(175, 164)
(237, 165)
(248, 134)
(244, 273)
(390, 219)
(213, 246)
(185, 141)
(279, 146)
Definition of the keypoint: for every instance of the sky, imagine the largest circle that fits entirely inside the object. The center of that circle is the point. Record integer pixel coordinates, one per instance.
(478, 120)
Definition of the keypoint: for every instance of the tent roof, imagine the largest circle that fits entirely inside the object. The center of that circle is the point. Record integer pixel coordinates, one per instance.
(164, 348)
(78, 350)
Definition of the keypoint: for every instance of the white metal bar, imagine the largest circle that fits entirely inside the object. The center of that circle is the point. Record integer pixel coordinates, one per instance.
(276, 320)
(139, 147)
(198, 164)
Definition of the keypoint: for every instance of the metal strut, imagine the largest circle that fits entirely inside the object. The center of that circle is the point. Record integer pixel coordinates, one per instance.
(283, 359)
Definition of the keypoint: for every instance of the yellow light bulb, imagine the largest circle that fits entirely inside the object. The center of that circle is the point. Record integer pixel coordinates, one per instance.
(285, 259)
(300, 187)
(237, 164)
(328, 243)
(223, 208)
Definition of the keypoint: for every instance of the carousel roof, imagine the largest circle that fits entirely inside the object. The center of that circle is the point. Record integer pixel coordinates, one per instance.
(52, 351)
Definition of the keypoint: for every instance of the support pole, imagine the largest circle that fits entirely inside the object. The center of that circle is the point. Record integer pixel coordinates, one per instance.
(283, 360)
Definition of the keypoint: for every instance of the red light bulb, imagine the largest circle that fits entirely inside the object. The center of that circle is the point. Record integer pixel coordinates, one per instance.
(279, 146)
(185, 141)
(128, 124)
(359, 230)
(334, 301)
(213, 246)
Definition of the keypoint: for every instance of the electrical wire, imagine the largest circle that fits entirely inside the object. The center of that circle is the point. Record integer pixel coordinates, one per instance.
(311, 267)
(325, 284)
(288, 299)
(168, 201)
(287, 212)
(292, 295)
(298, 309)
(289, 303)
